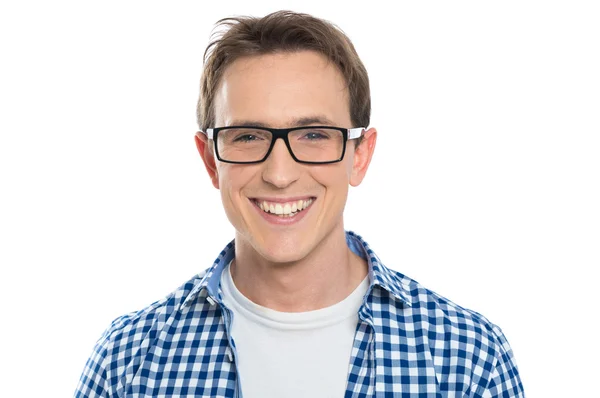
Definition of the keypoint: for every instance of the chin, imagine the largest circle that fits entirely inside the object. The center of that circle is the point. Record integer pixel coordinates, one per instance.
(278, 249)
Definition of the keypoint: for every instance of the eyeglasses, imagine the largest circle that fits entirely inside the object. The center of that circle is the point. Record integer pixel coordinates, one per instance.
(312, 144)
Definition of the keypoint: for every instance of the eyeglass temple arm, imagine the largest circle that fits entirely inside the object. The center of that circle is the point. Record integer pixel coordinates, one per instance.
(355, 132)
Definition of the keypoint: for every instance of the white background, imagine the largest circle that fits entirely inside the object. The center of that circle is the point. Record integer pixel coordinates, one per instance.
(484, 186)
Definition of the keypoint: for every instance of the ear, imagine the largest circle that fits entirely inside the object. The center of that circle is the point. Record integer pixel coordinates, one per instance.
(208, 157)
(362, 157)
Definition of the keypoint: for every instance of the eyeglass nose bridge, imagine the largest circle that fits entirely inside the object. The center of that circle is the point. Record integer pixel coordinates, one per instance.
(284, 135)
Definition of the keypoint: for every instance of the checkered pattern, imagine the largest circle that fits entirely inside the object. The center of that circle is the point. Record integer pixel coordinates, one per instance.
(409, 342)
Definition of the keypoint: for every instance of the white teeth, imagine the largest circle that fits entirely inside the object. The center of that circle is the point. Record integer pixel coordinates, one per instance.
(285, 210)
(278, 209)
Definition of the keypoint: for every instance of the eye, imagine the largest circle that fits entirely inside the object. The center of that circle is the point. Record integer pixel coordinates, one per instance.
(245, 138)
(315, 135)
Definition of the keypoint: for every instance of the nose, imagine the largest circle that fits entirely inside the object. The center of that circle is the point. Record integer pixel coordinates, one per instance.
(280, 169)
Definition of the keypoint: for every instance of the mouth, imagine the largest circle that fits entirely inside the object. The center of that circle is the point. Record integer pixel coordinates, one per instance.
(284, 209)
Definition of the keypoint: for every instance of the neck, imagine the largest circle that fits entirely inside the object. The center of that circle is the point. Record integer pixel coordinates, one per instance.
(323, 278)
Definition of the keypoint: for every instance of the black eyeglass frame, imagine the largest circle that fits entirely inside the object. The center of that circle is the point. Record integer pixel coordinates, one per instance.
(348, 134)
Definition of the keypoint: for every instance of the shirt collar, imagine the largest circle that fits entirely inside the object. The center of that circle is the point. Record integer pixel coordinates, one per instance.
(390, 281)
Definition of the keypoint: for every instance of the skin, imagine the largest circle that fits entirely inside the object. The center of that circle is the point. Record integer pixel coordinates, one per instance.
(307, 265)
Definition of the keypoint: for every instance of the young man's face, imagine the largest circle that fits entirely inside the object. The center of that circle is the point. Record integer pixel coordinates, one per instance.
(285, 90)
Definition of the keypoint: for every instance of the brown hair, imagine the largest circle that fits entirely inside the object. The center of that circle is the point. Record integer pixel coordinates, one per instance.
(282, 31)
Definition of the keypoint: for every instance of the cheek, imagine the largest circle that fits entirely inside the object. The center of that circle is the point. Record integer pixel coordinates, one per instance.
(232, 179)
(334, 178)
(335, 174)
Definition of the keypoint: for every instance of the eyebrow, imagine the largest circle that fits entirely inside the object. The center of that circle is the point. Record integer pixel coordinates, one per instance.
(298, 122)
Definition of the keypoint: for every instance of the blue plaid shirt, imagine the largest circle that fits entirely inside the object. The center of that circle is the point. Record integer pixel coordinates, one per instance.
(409, 342)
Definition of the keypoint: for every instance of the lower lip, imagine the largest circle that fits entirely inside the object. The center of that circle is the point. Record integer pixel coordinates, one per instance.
(277, 220)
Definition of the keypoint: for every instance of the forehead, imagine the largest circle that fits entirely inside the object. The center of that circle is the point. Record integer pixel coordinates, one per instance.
(275, 89)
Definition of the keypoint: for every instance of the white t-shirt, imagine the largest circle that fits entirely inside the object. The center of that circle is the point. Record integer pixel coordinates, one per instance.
(292, 354)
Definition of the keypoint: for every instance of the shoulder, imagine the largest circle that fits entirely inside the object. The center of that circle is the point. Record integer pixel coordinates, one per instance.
(136, 325)
(435, 308)
(445, 319)
(460, 344)
(464, 349)
(128, 339)
(447, 328)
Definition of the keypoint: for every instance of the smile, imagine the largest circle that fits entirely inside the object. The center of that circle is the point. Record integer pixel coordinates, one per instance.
(284, 209)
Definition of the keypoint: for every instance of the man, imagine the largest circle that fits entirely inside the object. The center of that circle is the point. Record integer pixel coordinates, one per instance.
(295, 306)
